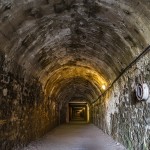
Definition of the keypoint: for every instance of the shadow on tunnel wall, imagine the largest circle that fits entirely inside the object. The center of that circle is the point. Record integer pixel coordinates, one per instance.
(25, 115)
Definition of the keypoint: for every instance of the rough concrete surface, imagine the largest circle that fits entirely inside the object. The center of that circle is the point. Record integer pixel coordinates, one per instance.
(127, 118)
(75, 137)
(53, 52)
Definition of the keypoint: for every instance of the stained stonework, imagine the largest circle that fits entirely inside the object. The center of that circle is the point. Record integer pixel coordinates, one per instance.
(120, 114)
(55, 51)
(24, 112)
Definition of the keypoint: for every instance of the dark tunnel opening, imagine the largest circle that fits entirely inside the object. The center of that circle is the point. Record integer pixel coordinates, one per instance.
(78, 111)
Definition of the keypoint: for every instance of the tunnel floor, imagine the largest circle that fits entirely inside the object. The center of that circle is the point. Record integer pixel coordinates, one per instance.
(75, 136)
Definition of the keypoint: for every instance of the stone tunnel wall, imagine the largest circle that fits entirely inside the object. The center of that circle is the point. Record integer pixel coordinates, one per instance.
(24, 112)
(118, 112)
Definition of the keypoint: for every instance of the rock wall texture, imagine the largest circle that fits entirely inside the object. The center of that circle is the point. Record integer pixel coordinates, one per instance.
(69, 49)
(120, 114)
(24, 112)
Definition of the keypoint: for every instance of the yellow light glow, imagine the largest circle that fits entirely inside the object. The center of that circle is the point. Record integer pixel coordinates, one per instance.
(68, 72)
(103, 87)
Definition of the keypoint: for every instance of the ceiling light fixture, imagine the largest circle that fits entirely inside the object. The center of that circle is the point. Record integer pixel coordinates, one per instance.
(104, 87)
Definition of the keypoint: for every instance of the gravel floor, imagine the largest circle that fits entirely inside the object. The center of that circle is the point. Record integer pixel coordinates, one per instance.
(75, 136)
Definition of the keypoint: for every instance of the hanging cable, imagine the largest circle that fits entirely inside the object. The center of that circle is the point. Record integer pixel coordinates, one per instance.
(145, 51)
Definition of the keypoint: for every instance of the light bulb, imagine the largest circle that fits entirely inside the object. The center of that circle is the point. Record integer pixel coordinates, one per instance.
(103, 87)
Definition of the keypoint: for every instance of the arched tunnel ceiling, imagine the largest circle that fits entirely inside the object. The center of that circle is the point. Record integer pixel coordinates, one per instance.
(62, 40)
(76, 88)
(72, 82)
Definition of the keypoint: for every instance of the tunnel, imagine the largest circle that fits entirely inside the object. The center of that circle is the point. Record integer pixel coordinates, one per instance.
(72, 61)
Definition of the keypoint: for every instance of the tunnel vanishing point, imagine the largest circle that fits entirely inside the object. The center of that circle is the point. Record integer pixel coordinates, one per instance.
(63, 58)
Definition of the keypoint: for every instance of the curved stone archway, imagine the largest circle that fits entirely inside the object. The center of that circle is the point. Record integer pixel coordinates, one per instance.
(52, 52)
